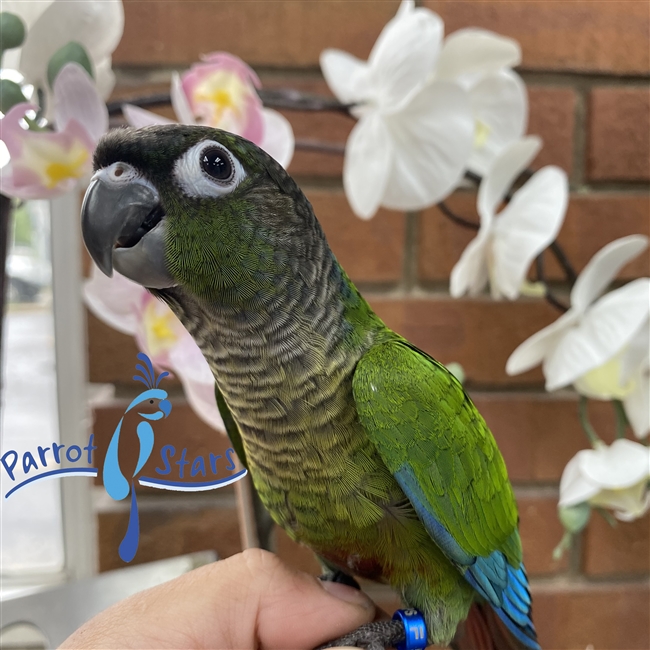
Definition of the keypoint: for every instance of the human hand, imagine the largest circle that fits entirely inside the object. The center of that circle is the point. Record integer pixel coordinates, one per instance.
(251, 600)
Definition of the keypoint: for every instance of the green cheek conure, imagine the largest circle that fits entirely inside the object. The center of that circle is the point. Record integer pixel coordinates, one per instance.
(361, 446)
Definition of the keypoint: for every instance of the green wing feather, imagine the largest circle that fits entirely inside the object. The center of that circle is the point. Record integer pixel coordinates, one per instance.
(420, 419)
(231, 427)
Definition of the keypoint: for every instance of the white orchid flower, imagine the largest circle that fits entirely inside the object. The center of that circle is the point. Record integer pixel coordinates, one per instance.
(507, 243)
(414, 135)
(221, 92)
(480, 62)
(600, 345)
(613, 477)
(95, 24)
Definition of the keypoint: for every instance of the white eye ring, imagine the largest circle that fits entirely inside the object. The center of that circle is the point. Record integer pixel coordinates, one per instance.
(196, 182)
(119, 173)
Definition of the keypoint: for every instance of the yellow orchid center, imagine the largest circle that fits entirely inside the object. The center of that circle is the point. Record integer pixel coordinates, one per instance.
(53, 162)
(73, 167)
(160, 328)
(219, 93)
(481, 134)
(605, 381)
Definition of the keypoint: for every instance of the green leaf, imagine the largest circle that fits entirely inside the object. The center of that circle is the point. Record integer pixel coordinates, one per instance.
(12, 31)
(10, 95)
(73, 52)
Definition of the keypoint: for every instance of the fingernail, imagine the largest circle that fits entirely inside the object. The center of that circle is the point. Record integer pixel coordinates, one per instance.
(348, 594)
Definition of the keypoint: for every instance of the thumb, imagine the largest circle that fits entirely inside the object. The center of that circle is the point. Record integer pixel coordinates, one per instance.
(293, 609)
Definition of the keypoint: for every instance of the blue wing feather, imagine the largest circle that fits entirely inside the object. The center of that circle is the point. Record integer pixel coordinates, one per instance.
(505, 587)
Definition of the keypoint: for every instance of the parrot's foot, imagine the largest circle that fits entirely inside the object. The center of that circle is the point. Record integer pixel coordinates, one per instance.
(377, 635)
(341, 578)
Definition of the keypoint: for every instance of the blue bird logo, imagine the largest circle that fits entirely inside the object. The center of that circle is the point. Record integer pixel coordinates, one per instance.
(116, 484)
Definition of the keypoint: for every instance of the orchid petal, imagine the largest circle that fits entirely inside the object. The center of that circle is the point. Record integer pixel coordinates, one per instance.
(404, 56)
(116, 301)
(636, 356)
(278, 140)
(472, 51)
(504, 171)
(621, 465)
(180, 103)
(604, 267)
(367, 165)
(628, 505)
(470, 273)
(29, 12)
(527, 225)
(97, 26)
(532, 351)
(347, 76)
(431, 141)
(139, 117)
(500, 107)
(104, 77)
(202, 400)
(575, 487)
(75, 96)
(30, 192)
(603, 331)
(637, 406)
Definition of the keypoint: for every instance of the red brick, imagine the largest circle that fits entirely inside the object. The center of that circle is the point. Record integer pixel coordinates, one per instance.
(592, 221)
(183, 429)
(380, 241)
(283, 33)
(538, 433)
(618, 141)
(552, 117)
(580, 35)
(620, 550)
(168, 533)
(111, 354)
(540, 531)
(610, 616)
(479, 334)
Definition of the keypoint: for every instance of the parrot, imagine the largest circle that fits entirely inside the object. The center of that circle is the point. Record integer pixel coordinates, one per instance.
(361, 446)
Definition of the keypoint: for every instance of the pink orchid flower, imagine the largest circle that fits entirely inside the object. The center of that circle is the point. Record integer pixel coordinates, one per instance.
(221, 92)
(44, 164)
(131, 309)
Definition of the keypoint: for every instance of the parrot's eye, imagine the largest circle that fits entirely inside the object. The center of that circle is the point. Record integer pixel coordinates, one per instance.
(208, 169)
(216, 163)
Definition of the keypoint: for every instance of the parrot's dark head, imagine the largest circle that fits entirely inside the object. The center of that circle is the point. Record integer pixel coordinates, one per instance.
(195, 208)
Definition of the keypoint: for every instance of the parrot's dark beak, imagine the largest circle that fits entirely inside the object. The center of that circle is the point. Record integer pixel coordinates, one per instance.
(123, 227)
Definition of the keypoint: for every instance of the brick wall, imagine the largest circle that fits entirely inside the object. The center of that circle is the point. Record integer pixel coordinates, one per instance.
(586, 65)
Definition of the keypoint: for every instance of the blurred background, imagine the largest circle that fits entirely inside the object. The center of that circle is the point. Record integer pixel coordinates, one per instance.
(586, 65)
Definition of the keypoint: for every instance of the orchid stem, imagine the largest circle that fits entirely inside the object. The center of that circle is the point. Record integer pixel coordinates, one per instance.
(586, 424)
(450, 214)
(549, 297)
(281, 98)
(621, 418)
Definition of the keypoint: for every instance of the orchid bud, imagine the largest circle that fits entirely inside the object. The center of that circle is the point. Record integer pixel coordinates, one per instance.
(12, 31)
(73, 52)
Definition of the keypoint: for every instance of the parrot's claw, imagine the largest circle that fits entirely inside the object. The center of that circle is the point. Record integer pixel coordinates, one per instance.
(378, 635)
(341, 578)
